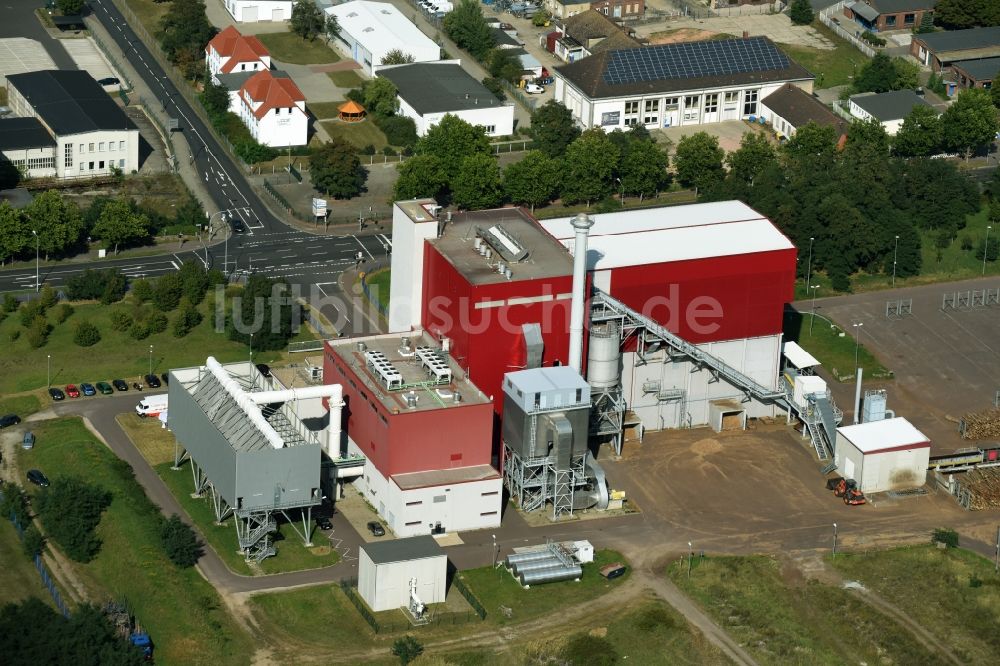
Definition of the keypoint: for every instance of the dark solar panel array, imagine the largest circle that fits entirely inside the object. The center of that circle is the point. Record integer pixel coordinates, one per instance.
(693, 60)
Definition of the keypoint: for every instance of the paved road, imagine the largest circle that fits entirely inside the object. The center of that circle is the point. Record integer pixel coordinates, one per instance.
(19, 20)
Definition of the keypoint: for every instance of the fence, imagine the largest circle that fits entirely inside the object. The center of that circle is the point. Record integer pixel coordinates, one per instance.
(512, 146)
(383, 626)
(834, 24)
(40, 567)
(477, 606)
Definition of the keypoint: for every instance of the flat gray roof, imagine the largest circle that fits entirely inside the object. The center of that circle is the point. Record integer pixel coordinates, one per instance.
(440, 477)
(403, 550)
(431, 87)
(980, 69)
(890, 105)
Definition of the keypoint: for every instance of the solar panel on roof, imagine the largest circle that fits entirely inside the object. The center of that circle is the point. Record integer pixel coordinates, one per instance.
(693, 60)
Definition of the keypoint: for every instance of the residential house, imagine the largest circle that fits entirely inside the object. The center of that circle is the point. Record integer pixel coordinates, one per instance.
(274, 109)
(889, 108)
(939, 50)
(789, 107)
(689, 83)
(229, 52)
(254, 11)
(428, 91)
(590, 32)
(92, 134)
(561, 9)
(620, 8)
(369, 30)
(884, 15)
(979, 73)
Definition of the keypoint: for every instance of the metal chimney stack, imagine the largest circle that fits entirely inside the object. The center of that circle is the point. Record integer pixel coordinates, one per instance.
(582, 224)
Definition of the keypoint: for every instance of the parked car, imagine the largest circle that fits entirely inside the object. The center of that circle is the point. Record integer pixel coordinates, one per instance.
(88, 389)
(166, 378)
(324, 523)
(105, 388)
(28, 441)
(8, 420)
(544, 80)
(37, 478)
(72, 391)
(119, 384)
(533, 89)
(152, 381)
(109, 81)
(264, 369)
(376, 528)
(56, 394)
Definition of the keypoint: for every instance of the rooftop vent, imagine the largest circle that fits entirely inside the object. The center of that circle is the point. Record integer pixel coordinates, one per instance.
(362, 347)
(505, 244)
(411, 400)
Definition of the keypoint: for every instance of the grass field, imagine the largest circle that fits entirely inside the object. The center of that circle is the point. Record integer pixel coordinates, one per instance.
(183, 614)
(953, 593)
(22, 405)
(784, 620)
(378, 284)
(18, 577)
(324, 110)
(357, 134)
(116, 355)
(314, 616)
(833, 347)
(347, 78)
(289, 47)
(834, 67)
(292, 554)
(155, 443)
(148, 12)
(496, 587)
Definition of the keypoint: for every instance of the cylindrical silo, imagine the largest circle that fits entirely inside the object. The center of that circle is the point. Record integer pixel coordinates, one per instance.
(521, 567)
(550, 574)
(534, 555)
(604, 356)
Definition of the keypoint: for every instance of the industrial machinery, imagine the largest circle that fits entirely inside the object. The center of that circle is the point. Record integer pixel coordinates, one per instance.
(417, 607)
(848, 490)
(120, 616)
(549, 563)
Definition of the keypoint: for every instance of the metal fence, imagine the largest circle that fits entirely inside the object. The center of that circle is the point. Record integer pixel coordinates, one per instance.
(385, 626)
(373, 297)
(826, 18)
(473, 600)
(47, 580)
(112, 60)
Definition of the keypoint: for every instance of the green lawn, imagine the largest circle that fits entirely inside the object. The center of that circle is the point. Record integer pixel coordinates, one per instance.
(357, 134)
(497, 587)
(116, 355)
(785, 620)
(183, 613)
(148, 12)
(324, 110)
(18, 577)
(292, 554)
(289, 47)
(834, 347)
(346, 78)
(832, 67)
(378, 284)
(954, 594)
(315, 617)
(22, 405)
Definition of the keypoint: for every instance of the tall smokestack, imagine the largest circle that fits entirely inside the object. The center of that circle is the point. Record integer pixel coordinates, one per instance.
(582, 224)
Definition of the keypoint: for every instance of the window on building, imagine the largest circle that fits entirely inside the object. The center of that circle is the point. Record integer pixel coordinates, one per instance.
(712, 103)
(411, 524)
(890, 21)
(100, 147)
(670, 103)
(121, 145)
(488, 513)
(80, 148)
(491, 129)
(121, 164)
(651, 116)
(91, 148)
(750, 102)
(491, 493)
(91, 166)
(732, 98)
(83, 166)
(692, 101)
(42, 163)
(440, 498)
(455, 457)
(417, 503)
(68, 163)
(909, 19)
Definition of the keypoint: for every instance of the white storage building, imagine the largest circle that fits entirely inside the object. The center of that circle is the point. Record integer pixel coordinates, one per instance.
(254, 11)
(883, 455)
(386, 569)
(369, 30)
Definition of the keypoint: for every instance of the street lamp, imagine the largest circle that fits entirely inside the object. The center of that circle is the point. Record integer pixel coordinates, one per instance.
(150, 359)
(35, 234)
(690, 557)
(251, 348)
(809, 267)
(495, 552)
(48, 370)
(812, 319)
(986, 247)
(895, 253)
(835, 539)
(623, 191)
(857, 340)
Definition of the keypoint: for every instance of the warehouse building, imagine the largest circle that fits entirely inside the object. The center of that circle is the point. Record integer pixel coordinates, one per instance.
(889, 108)
(28, 147)
(254, 11)
(889, 454)
(369, 30)
(392, 573)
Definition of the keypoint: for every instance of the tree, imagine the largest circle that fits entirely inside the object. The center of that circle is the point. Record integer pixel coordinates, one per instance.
(801, 12)
(882, 74)
(753, 156)
(331, 28)
(121, 320)
(33, 541)
(421, 176)
(194, 281)
(970, 122)
(995, 91)
(477, 184)
(215, 98)
(407, 649)
(266, 310)
(106, 285)
(119, 224)
(589, 167)
(396, 57)
(180, 543)
(920, 133)
(451, 141)
(541, 18)
(186, 319)
(167, 292)
(184, 32)
(962, 14)
(553, 128)
(502, 65)
(308, 20)
(70, 7)
(86, 334)
(466, 27)
(57, 221)
(644, 168)
(38, 332)
(15, 232)
(48, 297)
(379, 96)
(336, 170)
(70, 509)
(533, 180)
(699, 161)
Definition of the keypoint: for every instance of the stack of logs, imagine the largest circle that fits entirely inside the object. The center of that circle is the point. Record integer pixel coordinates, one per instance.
(981, 425)
(984, 488)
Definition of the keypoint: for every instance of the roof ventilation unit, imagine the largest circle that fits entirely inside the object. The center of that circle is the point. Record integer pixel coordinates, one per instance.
(362, 347)
(505, 244)
(501, 268)
(380, 365)
(432, 362)
(477, 243)
(405, 346)
(411, 400)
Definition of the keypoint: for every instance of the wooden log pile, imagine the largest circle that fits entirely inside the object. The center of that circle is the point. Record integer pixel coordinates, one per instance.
(984, 488)
(982, 425)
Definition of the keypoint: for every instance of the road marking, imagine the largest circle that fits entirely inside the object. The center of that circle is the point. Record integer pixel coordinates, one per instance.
(363, 247)
(388, 241)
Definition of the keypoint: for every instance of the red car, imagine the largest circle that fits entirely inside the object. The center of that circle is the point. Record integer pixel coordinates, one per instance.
(72, 391)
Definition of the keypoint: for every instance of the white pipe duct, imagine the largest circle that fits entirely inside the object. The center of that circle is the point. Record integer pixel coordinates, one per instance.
(231, 387)
(581, 224)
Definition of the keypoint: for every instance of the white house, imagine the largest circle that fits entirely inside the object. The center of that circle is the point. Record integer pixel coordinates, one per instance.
(427, 91)
(92, 134)
(388, 571)
(230, 52)
(369, 30)
(274, 109)
(254, 11)
(689, 83)
(889, 108)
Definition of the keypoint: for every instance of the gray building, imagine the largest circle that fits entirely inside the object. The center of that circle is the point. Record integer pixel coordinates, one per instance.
(27, 147)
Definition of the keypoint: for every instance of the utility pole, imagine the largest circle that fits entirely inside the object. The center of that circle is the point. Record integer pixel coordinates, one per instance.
(690, 557)
(986, 248)
(809, 266)
(812, 319)
(835, 540)
(37, 286)
(895, 253)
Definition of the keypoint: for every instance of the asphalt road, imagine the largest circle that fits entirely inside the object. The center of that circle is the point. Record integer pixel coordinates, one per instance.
(19, 20)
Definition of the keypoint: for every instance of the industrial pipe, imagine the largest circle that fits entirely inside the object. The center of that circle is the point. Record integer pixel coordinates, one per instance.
(335, 392)
(581, 224)
(234, 390)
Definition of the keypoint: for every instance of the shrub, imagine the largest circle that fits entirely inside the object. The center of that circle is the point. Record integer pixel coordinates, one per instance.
(157, 322)
(15, 334)
(142, 291)
(368, 150)
(62, 312)
(86, 334)
(590, 650)
(121, 319)
(139, 330)
(398, 130)
(10, 303)
(48, 296)
(180, 542)
(29, 311)
(168, 292)
(388, 150)
(38, 333)
(187, 318)
(70, 509)
(33, 541)
(945, 535)
(407, 649)
(654, 618)
(107, 286)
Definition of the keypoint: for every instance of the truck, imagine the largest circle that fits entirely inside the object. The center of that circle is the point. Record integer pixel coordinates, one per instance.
(122, 620)
(152, 406)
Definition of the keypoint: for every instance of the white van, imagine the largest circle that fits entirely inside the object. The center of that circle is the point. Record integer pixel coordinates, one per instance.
(152, 406)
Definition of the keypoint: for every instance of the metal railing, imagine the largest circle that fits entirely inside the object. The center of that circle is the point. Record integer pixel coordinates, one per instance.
(826, 18)
(43, 572)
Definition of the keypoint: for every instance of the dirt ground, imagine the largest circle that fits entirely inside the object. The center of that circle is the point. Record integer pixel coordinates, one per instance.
(680, 35)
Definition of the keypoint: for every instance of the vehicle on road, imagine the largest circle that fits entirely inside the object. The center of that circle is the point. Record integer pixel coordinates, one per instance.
(109, 81)
(72, 391)
(238, 226)
(88, 389)
(56, 394)
(119, 384)
(105, 388)
(152, 406)
(376, 528)
(848, 490)
(324, 523)
(28, 440)
(152, 381)
(8, 420)
(533, 89)
(37, 478)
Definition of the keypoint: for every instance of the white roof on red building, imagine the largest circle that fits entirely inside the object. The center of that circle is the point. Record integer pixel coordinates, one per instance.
(673, 233)
(885, 434)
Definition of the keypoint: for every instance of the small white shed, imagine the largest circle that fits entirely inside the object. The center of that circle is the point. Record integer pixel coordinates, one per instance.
(385, 569)
(883, 455)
